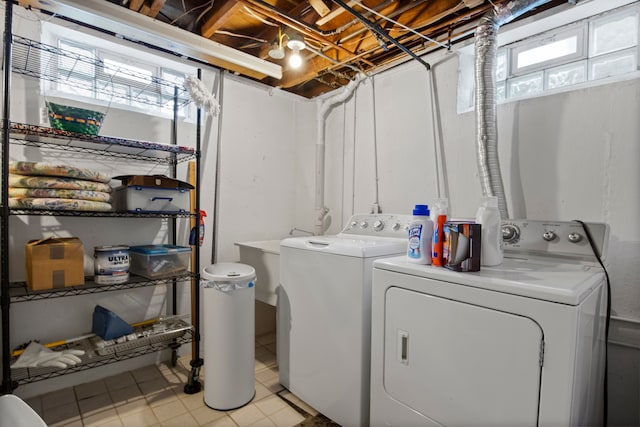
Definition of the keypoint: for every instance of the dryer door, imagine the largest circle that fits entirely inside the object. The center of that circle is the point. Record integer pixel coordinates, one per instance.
(460, 364)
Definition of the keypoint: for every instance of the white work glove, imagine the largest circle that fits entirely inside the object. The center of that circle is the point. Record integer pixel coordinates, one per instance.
(37, 356)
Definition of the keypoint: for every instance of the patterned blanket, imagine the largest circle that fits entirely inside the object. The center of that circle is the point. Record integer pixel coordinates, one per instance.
(22, 181)
(45, 169)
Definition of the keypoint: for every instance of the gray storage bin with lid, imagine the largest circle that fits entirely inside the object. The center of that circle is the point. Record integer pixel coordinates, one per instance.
(229, 335)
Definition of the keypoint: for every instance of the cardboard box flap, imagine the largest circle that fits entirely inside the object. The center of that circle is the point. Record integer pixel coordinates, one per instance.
(52, 240)
(161, 181)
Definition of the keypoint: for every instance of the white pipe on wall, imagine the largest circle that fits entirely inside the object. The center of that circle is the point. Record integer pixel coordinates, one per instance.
(326, 105)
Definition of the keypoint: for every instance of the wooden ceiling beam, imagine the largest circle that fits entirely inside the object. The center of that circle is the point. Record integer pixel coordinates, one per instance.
(156, 6)
(136, 4)
(295, 25)
(321, 65)
(220, 17)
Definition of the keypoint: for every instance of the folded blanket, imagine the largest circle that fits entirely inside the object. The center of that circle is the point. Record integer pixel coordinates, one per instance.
(21, 181)
(45, 169)
(59, 193)
(59, 204)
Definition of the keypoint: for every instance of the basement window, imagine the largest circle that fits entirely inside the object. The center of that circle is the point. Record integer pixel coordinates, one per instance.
(114, 75)
(596, 49)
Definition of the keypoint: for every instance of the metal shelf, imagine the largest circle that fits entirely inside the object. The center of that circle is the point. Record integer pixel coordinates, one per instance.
(47, 63)
(42, 61)
(46, 212)
(19, 292)
(93, 360)
(44, 137)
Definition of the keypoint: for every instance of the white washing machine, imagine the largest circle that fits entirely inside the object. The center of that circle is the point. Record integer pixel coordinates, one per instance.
(520, 344)
(324, 313)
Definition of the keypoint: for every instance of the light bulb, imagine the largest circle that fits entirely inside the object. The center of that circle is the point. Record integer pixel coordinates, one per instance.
(295, 60)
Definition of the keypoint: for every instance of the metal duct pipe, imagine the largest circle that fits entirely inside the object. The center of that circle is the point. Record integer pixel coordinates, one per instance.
(321, 222)
(486, 46)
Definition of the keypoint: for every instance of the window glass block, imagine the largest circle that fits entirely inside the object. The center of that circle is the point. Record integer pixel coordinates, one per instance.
(501, 65)
(113, 92)
(548, 52)
(525, 85)
(501, 91)
(173, 77)
(566, 75)
(611, 65)
(127, 72)
(76, 86)
(79, 60)
(613, 34)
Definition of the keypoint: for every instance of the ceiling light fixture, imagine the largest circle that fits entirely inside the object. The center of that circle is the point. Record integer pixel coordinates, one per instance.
(295, 42)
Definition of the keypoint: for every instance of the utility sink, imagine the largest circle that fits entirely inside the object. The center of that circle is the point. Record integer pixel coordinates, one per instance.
(14, 412)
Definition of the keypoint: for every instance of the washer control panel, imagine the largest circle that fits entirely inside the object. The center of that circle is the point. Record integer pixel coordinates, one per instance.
(563, 238)
(382, 225)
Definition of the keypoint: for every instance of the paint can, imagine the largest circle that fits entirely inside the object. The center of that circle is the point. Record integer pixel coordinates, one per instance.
(111, 264)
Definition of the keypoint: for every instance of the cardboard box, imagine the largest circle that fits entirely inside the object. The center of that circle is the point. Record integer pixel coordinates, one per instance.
(157, 181)
(55, 262)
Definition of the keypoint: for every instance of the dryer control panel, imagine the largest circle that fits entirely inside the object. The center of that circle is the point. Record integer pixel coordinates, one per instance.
(554, 238)
(380, 225)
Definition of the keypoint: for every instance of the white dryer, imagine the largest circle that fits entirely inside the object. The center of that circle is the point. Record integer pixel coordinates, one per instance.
(520, 344)
(324, 313)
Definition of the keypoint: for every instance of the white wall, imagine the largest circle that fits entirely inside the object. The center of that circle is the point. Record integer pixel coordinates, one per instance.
(264, 165)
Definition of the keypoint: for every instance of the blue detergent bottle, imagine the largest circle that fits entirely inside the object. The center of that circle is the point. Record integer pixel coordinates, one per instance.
(420, 236)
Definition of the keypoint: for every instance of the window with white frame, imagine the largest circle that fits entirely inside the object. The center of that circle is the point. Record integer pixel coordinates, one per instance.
(98, 71)
(594, 49)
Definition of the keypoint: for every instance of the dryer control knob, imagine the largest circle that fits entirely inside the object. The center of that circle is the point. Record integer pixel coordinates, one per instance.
(378, 225)
(396, 226)
(574, 237)
(510, 233)
(353, 224)
(549, 235)
(364, 224)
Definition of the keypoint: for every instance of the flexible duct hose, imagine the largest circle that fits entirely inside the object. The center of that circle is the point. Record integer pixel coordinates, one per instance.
(486, 46)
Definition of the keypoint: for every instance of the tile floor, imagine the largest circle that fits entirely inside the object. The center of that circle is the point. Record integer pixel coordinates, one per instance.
(153, 396)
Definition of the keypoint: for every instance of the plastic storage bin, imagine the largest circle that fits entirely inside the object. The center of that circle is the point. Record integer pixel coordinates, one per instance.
(151, 193)
(155, 261)
(229, 335)
(135, 198)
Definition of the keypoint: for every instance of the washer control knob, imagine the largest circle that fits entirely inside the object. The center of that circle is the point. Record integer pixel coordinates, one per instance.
(574, 237)
(549, 235)
(396, 226)
(510, 233)
(364, 224)
(353, 224)
(378, 225)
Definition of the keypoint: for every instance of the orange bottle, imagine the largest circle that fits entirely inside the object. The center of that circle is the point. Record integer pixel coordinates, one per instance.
(438, 241)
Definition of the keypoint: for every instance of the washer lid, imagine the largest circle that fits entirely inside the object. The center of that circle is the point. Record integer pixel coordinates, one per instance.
(229, 272)
(360, 247)
(552, 280)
